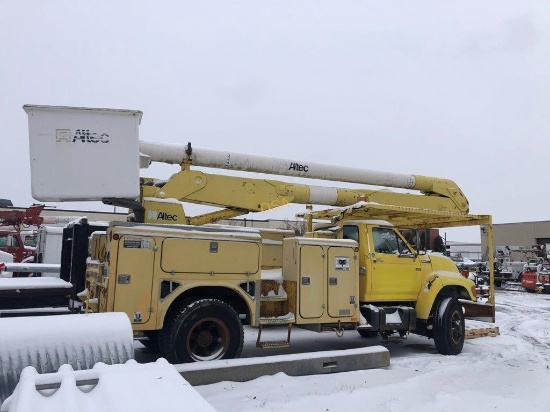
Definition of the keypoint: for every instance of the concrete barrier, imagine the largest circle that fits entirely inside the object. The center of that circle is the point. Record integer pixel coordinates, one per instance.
(48, 342)
(303, 364)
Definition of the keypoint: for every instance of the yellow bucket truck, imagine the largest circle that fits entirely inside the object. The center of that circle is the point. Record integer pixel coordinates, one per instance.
(188, 286)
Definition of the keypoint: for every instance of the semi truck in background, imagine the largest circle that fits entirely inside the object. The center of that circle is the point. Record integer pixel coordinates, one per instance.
(17, 234)
(188, 286)
(21, 245)
(48, 247)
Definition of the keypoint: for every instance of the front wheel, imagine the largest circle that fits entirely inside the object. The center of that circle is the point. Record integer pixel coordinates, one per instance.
(207, 329)
(449, 328)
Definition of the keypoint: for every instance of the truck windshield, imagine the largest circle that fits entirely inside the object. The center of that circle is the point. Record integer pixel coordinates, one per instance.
(30, 240)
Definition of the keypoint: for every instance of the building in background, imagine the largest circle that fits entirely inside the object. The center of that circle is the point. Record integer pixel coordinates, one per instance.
(526, 234)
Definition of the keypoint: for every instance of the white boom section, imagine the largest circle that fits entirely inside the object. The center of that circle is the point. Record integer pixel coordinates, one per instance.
(176, 154)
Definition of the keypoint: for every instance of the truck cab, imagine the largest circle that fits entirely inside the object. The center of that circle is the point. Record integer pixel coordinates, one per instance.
(21, 248)
(399, 287)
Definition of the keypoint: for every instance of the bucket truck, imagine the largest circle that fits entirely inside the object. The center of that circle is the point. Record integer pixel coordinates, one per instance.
(188, 286)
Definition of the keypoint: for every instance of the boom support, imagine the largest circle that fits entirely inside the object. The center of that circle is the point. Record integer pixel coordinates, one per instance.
(242, 195)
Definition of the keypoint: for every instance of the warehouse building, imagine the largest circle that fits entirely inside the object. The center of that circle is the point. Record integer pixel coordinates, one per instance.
(526, 234)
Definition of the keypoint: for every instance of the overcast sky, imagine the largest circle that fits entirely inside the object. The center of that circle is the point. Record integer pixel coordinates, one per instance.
(455, 89)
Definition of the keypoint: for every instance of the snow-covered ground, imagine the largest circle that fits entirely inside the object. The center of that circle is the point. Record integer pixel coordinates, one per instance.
(505, 373)
(510, 372)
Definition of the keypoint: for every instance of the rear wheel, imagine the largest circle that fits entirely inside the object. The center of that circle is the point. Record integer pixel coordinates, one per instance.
(207, 329)
(449, 328)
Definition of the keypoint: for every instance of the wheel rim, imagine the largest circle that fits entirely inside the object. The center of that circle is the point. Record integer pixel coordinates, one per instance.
(456, 327)
(208, 339)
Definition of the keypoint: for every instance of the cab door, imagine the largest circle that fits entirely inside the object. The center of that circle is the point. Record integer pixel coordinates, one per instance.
(134, 277)
(396, 270)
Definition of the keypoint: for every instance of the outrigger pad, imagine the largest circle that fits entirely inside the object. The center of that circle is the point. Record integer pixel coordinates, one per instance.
(478, 311)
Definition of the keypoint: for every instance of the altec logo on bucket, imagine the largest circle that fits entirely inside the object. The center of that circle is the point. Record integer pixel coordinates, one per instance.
(81, 135)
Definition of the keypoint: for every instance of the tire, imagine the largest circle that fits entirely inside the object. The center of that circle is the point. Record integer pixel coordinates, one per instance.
(207, 329)
(152, 343)
(174, 310)
(367, 333)
(449, 327)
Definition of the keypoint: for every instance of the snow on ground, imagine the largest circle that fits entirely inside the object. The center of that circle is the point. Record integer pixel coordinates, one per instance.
(505, 373)
(109, 388)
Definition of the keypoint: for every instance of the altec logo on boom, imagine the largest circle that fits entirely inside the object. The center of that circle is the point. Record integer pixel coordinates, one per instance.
(81, 135)
(298, 167)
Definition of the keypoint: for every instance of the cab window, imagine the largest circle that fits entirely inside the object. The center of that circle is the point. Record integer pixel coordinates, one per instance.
(8, 241)
(351, 232)
(386, 240)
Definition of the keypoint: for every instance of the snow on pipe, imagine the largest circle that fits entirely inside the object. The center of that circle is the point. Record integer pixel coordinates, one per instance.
(47, 342)
(175, 154)
(33, 267)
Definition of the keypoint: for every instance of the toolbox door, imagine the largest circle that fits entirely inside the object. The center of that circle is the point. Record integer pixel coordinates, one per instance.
(342, 282)
(134, 277)
(312, 282)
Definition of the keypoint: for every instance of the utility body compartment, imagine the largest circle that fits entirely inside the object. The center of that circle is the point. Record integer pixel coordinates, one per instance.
(326, 275)
(146, 267)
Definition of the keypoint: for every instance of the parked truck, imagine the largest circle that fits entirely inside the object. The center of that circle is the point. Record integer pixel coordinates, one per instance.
(536, 277)
(17, 234)
(13, 242)
(189, 286)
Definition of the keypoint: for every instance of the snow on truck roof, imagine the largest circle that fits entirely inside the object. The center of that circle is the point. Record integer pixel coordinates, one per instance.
(327, 242)
(185, 230)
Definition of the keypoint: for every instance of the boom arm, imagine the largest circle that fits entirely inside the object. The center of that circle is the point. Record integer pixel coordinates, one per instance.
(242, 195)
